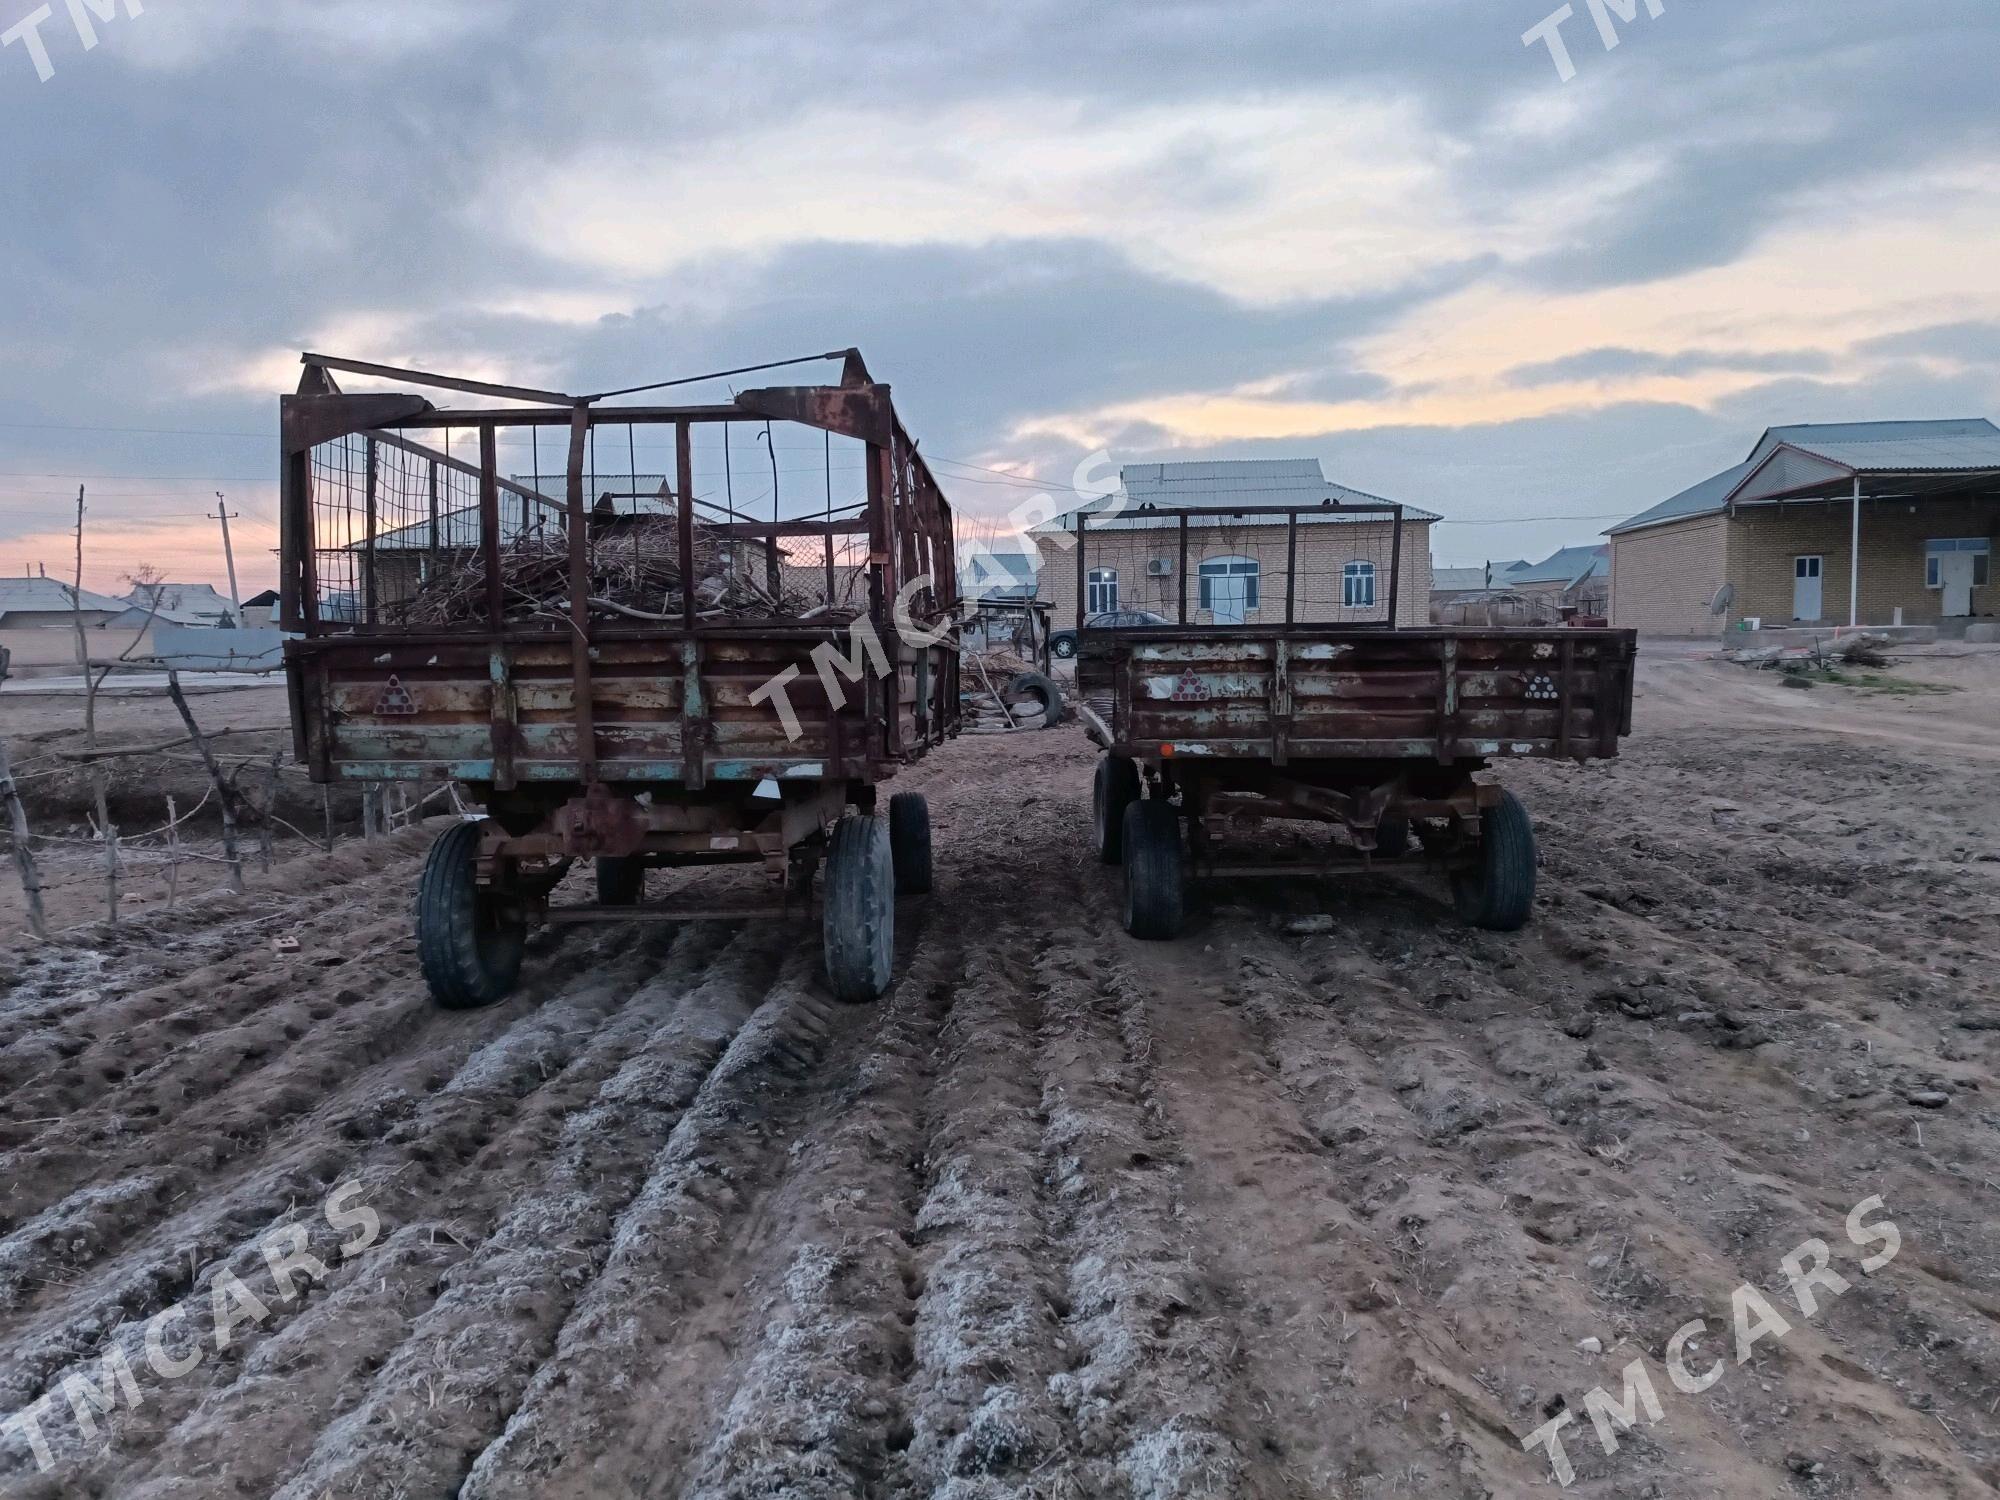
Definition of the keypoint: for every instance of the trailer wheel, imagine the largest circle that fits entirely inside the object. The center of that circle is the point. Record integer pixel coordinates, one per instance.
(468, 944)
(1499, 893)
(910, 843)
(621, 880)
(1115, 789)
(1154, 873)
(860, 917)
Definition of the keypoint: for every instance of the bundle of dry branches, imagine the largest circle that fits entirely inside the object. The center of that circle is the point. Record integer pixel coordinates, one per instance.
(635, 574)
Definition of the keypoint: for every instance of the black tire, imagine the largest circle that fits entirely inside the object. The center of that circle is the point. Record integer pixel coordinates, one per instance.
(1155, 876)
(1063, 647)
(1116, 788)
(1035, 685)
(469, 948)
(860, 916)
(1392, 838)
(1498, 894)
(910, 843)
(621, 881)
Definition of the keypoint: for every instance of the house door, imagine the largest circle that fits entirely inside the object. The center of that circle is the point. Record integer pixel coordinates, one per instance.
(1806, 591)
(1955, 574)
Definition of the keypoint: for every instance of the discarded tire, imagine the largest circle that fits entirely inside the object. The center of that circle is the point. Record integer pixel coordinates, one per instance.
(910, 843)
(1033, 686)
(1154, 874)
(620, 881)
(468, 945)
(1116, 788)
(1498, 893)
(860, 917)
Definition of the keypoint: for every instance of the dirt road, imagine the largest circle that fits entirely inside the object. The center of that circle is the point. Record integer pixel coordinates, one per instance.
(1266, 1212)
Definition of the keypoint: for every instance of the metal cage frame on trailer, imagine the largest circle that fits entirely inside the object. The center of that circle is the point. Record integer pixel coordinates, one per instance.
(1292, 513)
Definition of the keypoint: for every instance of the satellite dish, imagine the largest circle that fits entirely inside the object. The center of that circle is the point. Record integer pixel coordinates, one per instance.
(1724, 598)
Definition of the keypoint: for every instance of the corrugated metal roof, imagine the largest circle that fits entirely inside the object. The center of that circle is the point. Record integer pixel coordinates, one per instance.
(1957, 445)
(1823, 437)
(1249, 482)
(182, 601)
(1571, 565)
(1457, 580)
(50, 595)
(1696, 500)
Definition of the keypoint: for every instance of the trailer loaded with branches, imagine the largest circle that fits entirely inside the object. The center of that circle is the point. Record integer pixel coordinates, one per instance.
(625, 668)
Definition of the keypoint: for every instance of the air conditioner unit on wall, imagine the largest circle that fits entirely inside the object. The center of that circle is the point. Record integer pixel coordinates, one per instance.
(1159, 567)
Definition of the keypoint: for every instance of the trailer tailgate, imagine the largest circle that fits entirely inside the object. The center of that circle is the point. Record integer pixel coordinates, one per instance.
(1330, 694)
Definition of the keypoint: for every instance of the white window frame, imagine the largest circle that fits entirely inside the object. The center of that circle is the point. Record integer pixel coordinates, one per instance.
(1248, 568)
(1980, 547)
(1352, 578)
(1101, 593)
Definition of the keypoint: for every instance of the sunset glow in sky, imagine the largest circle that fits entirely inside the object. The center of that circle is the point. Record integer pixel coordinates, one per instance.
(1384, 234)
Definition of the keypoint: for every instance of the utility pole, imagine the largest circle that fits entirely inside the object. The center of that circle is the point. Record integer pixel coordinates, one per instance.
(229, 555)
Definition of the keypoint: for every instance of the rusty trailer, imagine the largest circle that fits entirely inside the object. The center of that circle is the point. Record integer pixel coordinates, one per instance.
(680, 730)
(1225, 740)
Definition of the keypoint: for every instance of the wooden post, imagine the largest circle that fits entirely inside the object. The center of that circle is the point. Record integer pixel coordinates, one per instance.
(266, 831)
(17, 820)
(173, 853)
(223, 791)
(326, 813)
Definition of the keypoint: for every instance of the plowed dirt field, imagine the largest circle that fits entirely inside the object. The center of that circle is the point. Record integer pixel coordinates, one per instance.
(1269, 1211)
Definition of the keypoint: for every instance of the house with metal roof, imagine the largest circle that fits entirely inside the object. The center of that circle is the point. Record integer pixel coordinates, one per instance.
(1840, 524)
(1237, 542)
(36, 603)
(1574, 576)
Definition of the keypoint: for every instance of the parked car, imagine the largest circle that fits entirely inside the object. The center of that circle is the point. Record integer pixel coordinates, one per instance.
(1063, 642)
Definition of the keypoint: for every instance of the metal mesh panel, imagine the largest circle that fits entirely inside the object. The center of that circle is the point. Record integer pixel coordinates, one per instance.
(398, 540)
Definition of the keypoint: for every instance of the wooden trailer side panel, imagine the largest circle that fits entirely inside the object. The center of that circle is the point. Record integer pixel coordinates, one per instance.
(1391, 695)
(685, 711)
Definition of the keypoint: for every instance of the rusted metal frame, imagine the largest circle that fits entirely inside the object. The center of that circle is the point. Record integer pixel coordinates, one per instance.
(434, 382)
(433, 418)
(695, 721)
(1395, 566)
(298, 607)
(1184, 568)
(684, 478)
(1447, 700)
(1291, 568)
(756, 530)
(368, 532)
(489, 523)
(1083, 573)
(1565, 696)
(434, 516)
(1328, 508)
(579, 601)
(504, 720)
(1281, 700)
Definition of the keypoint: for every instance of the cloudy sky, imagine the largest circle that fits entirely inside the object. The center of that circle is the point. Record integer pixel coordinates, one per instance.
(1381, 232)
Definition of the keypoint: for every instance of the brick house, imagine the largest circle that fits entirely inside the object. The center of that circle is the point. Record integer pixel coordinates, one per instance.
(1239, 566)
(1865, 523)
